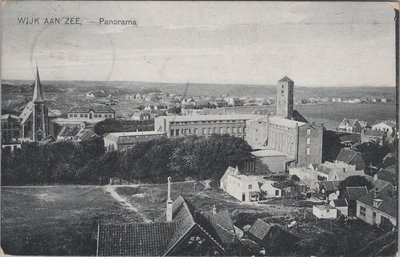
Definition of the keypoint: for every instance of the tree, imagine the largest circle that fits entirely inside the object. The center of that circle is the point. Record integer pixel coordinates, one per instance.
(354, 181)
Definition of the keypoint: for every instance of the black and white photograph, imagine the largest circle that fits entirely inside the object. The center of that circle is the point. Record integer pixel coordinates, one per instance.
(199, 128)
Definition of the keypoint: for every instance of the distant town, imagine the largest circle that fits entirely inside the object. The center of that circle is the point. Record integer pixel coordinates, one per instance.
(199, 175)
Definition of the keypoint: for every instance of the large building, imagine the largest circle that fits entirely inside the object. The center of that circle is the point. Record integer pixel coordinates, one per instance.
(121, 141)
(203, 125)
(288, 133)
(294, 141)
(90, 114)
(34, 117)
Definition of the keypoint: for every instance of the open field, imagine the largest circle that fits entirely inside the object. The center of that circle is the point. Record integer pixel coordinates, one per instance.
(61, 220)
(56, 220)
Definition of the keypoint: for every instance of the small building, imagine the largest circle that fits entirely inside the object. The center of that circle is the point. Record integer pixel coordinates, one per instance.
(352, 194)
(350, 125)
(371, 135)
(90, 114)
(373, 208)
(307, 175)
(328, 187)
(271, 189)
(337, 171)
(324, 211)
(85, 135)
(121, 141)
(242, 187)
(340, 205)
(351, 157)
(386, 181)
(388, 126)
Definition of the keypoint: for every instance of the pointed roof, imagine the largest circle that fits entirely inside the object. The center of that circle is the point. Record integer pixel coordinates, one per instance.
(285, 79)
(37, 91)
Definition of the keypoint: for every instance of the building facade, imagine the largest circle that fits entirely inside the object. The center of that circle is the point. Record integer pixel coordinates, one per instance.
(203, 125)
(91, 114)
(121, 141)
(34, 117)
(374, 208)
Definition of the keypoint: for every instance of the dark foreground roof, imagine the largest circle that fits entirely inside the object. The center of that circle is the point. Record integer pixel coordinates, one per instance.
(150, 239)
(260, 229)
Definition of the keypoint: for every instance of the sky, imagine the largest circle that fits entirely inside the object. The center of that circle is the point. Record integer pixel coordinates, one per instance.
(314, 43)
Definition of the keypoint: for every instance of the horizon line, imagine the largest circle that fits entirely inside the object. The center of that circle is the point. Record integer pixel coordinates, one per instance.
(203, 83)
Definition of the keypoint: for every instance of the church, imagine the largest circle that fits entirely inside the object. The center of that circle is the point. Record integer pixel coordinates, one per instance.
(34, 118)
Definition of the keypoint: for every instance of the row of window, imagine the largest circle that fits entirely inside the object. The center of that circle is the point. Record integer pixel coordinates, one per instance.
(204, 122)
(85, 115)
(205, 131)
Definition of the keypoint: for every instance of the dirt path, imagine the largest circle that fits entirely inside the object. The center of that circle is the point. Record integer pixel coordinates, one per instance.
(124, 201)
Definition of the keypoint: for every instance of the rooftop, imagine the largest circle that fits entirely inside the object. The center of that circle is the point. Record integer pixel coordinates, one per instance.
(355, 193)
(285, 79)
(210, 117)
(94, 108)
(260, 229)
(388, 204)
(285, 122)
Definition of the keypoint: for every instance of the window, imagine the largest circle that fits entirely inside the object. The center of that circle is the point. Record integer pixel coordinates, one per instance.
(276, 192)
(204, 131)
(81, 115)
(177, 132)
(86, 115)
(195, 131)
(239, 130)
(308, 131)
(250, 186)
(308, 150)
(373, 217)
(308, 140)
(362, 211)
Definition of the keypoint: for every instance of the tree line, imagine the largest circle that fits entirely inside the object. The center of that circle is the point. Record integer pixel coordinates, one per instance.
(152, 161)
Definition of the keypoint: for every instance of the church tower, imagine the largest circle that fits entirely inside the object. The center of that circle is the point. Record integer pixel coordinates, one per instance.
(40, 119)
(284, 98)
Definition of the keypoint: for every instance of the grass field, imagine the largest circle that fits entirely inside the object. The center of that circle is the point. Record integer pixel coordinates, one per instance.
(56, 220)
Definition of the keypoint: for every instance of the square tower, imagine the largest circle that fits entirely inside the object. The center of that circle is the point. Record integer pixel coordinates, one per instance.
(284, 98)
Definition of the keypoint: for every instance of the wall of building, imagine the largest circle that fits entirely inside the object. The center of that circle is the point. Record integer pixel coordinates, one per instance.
(257, 132)
(283, 139)
(273, 164)
(237, 187)
(369, 213)
(89, 116)
(284, 105)
(306, 157)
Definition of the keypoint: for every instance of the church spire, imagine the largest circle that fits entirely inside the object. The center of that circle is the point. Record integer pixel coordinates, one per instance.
(37, 91)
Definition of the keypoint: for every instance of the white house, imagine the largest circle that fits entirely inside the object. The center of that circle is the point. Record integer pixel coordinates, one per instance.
(387, 126)
(375, 207)
(337, 171)
(242, 187)
(270, 188)
(324, 212)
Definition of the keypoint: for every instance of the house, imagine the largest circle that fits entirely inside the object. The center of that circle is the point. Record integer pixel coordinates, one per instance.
(324, 211)
(271, 238)
(185, 232)
(374, 208)
(307, 175)
(242, 187)
(271, 189)
(85, 135)
(388, 126)
(386, 181)
(90, 114)
(371, 135)
(224, 179)
(121, 141)
(351, 157)
(350, 125)
(340, 205)
(351, 195)
(328, 188)
(141, 116)
(337, 171)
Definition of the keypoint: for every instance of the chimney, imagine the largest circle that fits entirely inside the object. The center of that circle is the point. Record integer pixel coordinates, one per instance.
(169, 202)
(376, 192)
(214, 210)
(237, 168)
